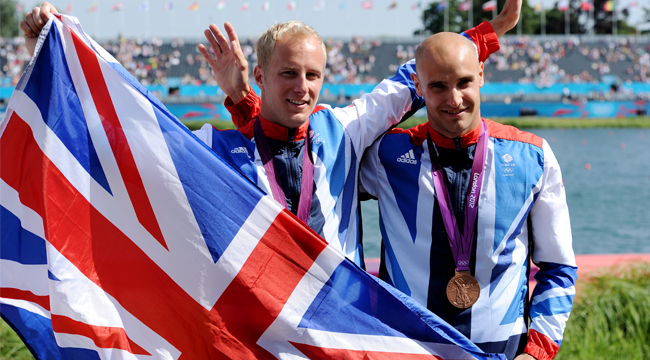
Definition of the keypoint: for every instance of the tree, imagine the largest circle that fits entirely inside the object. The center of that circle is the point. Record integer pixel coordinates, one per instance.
(646, 17)
(9, 18)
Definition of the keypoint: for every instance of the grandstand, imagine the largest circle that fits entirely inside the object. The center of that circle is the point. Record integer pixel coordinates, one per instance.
(528, 68)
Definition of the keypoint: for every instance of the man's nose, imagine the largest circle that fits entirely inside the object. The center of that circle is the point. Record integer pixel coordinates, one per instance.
(455, 98)
(300, 85)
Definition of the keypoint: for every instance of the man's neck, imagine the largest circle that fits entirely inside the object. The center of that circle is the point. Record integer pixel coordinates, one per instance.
(280, 132)
(462, 140)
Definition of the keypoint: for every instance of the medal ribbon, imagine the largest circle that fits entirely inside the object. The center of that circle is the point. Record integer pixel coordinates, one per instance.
(307, 185)
(460, 242)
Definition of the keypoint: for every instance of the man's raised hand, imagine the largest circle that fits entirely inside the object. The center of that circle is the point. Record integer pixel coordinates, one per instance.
(33, 24)
(227, 60)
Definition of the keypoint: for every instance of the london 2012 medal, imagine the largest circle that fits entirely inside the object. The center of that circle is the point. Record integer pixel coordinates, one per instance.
(463, 290)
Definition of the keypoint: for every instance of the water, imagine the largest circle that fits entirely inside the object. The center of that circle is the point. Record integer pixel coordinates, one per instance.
(607, 179)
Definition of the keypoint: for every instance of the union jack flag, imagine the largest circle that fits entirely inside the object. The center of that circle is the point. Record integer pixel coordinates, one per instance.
(125, 237)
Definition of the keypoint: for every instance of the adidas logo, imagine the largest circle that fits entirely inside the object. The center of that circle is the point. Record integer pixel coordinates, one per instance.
(240, 150)
(407, 158)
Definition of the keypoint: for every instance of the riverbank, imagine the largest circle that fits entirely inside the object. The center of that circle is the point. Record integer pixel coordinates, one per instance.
(559, 122)
(519, 122)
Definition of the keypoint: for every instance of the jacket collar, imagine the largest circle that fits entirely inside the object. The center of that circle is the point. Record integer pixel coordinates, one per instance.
(466, 140)
(281, 133)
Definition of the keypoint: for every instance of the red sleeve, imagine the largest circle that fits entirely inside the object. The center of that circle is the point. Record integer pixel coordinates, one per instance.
(485, 39)
(245, 111)
(540, 347)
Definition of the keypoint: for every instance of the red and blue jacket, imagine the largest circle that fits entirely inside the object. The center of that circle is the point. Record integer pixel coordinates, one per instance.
(522, 211)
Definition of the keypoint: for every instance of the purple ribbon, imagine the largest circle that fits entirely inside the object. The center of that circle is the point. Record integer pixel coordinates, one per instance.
(307, 185)
(461, 242)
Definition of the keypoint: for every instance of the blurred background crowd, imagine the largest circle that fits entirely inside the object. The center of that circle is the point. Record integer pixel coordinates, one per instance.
(527, 59)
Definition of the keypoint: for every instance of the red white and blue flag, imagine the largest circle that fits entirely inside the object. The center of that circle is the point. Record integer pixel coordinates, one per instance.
(125, 237)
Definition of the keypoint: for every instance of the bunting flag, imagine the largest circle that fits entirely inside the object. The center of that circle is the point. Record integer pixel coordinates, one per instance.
(490, 5)
(320, 5)
(144, 7)
(441, 5)
(243, 7)
(292, 5)
(125, 236)
(563, 5)
(538, 7)
(68, 8)
(392, 5)
(169, 6)
(221, 5)
(586, 6)
(19, 8)
(416, 5)
(117, 6)
(608, 6)
(465, 6)
(366, 4)
(266, 6)
(343, 5)
(633, 4)
(92, 7)
(193, 6)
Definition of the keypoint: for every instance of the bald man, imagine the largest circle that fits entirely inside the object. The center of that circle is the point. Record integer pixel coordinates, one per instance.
(463, 202)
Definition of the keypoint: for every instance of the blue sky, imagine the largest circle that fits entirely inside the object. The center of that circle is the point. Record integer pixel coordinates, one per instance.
(331, 18)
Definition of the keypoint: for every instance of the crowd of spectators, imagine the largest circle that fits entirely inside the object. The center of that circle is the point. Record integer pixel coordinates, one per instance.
(351, 62)
(13, 59)
(358, 60)
(544, 62)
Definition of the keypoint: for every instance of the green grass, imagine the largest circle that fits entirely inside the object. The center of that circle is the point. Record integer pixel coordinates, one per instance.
(611, 317)
(519, 122)
(566, 123)
(219, 124)
(11, 347)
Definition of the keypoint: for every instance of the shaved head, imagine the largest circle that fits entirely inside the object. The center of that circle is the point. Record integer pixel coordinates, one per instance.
(443, 46)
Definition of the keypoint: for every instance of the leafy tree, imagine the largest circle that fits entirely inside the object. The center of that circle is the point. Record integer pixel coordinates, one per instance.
(9, 18)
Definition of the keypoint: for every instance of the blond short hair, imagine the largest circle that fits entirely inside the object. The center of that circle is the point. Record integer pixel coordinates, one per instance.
(266, 42)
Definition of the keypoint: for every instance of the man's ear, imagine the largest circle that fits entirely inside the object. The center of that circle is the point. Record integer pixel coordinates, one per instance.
(416, 82)
(259, 77)
(480, 74)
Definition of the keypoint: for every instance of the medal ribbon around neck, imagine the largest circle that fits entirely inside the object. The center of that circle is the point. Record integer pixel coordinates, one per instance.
(307, 186)
(460, 242)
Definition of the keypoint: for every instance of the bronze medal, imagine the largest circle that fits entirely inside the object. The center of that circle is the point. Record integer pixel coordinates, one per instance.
(463, 290)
